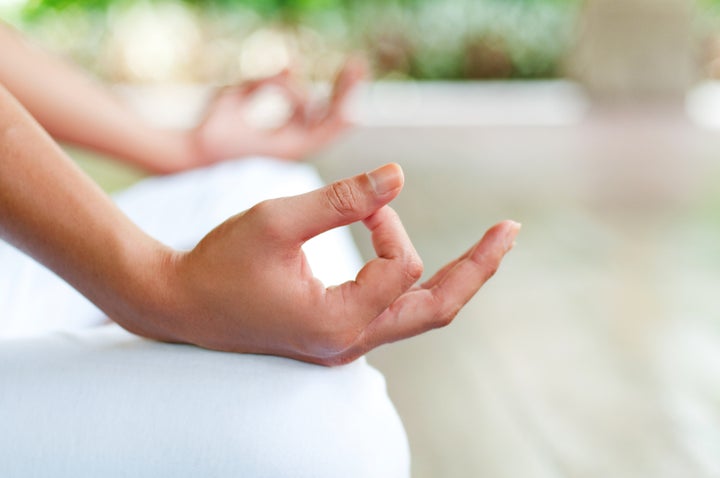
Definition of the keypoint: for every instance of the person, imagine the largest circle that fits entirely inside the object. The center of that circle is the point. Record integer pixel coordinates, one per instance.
(100, 401)
(246, 287)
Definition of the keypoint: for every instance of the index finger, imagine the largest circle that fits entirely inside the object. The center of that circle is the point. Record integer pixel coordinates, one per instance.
(383, 279)
(438, 301)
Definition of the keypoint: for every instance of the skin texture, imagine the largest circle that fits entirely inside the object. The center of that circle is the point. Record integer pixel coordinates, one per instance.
(247, 286)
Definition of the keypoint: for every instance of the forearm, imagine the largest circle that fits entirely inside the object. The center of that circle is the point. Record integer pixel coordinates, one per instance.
(74, 108)
(52, 211)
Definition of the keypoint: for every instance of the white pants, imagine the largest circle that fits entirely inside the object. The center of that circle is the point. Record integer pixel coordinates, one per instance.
(79, 397)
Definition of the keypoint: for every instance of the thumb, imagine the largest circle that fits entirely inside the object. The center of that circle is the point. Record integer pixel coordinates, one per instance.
(338, 204)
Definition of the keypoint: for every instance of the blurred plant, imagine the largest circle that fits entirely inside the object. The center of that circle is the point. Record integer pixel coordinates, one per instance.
(225, 40)
(709, 31)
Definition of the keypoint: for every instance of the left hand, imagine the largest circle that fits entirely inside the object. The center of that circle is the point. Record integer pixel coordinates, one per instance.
(226, 133)
(247, 286)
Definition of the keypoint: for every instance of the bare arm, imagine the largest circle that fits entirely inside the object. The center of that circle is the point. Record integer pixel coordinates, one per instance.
(74, 108)
(52, 211)
(247, 286)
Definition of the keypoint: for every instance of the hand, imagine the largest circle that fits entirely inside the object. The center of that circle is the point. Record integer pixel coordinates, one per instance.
(226, 133)
(247, 286)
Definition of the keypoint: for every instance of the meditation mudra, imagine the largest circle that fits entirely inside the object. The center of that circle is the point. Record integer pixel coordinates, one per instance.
(231, 247)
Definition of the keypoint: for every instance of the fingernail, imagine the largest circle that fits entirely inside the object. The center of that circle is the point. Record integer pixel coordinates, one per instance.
(510, 235)
(386, 178)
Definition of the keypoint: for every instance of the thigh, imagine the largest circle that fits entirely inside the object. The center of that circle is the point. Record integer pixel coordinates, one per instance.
(101, 402)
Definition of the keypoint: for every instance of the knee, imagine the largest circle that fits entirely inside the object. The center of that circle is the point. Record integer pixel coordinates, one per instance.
(105, 403)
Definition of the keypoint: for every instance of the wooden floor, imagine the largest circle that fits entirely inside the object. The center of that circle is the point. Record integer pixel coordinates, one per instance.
(595, 351)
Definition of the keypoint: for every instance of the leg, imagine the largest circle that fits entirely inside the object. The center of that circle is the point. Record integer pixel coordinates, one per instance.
(102, 402)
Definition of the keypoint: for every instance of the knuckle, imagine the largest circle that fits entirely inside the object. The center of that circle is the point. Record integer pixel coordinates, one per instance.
(342, 196)
(446, 313)
(489, 264)
(268, 224)
(491, 271)
(444, 319)
(414, 269)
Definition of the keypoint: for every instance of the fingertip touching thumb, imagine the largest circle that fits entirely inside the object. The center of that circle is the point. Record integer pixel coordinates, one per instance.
(356, 198)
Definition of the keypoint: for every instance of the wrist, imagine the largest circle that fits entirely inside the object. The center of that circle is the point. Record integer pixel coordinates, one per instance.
(211, 142)
(156, 150)
(141, 295)
(176, 150)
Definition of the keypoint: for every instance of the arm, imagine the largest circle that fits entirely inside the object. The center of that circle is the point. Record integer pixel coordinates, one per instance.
(74, 108)
(246, 287)
(52, 211)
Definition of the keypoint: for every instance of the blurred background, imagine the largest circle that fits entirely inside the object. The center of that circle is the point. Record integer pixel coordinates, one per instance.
(595, 351)
(224, 40)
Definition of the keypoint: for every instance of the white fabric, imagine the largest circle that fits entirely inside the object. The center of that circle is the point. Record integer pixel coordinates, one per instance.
(79, 399)
(104, 403)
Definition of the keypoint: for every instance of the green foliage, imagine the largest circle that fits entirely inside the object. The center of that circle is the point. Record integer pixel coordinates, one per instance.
(424, 39)
(34, 9)
(287, 9)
